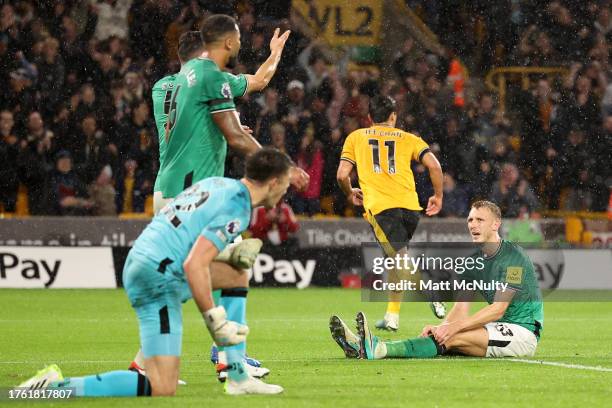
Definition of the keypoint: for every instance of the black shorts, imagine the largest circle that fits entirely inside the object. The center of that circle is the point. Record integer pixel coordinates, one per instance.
(394, 228)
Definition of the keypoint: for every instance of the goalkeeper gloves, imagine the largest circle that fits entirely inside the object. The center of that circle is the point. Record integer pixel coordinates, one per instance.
(224, 332)
(241, 255)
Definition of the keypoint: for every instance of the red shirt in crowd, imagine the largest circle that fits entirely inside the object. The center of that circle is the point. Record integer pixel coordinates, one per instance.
(275, 224)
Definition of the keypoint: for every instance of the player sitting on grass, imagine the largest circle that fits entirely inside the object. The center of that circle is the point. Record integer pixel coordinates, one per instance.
(175, 255)
(510, 326)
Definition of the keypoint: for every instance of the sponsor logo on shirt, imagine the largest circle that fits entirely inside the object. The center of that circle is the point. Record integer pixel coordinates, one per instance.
(514, 274)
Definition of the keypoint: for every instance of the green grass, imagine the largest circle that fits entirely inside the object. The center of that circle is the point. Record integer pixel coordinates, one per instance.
(91, 331)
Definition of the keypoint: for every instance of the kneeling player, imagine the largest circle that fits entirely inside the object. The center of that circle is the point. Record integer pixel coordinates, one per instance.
(174, 257)
(510, 326)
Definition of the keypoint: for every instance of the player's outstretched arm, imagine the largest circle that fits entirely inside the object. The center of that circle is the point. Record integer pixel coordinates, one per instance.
(237, 137)
(434, 205)
(266, 71)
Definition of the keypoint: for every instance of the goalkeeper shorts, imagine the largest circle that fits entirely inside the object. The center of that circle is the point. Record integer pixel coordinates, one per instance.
(157, 300)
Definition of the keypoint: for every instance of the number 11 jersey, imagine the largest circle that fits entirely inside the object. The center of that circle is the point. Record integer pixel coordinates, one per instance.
(383, 156)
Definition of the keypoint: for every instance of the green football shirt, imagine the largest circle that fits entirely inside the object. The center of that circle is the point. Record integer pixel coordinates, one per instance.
(161, 93)
(512, 266)
(195, 148)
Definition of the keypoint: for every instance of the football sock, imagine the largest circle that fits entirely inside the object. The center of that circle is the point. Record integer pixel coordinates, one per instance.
(217, 299)
(420, 347)
(111, 384)
(234, 302)
(394, 307)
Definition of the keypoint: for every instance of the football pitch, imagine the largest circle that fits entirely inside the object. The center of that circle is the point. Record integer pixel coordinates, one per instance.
(91, 331)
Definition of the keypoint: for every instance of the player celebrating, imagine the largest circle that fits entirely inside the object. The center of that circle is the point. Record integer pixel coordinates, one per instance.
(175, 254)
(510, 326)
(382, 155)
(202, 117)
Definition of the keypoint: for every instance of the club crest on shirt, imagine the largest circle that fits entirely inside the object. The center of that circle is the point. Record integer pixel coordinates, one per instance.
(226, 90)
(232, 227)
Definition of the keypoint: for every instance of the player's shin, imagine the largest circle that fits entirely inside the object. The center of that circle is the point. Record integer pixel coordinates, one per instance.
(420, 347)
(234, 302)
(221, 358)
(110, 384)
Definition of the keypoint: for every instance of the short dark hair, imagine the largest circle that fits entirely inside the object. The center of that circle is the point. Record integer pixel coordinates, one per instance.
(267, 163)
(491, 206)
(189, 43)
(216, 26)
(381, 107)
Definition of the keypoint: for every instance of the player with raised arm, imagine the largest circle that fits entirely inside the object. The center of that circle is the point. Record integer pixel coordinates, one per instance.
(383, 154)
(191, 46)
(509, 326)
(174, 255)
(202, 118)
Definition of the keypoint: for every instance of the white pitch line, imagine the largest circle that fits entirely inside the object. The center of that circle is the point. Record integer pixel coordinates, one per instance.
(514, 360)
(564, 365)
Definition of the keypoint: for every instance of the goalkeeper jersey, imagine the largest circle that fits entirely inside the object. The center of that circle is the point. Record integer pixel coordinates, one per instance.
(217, 208)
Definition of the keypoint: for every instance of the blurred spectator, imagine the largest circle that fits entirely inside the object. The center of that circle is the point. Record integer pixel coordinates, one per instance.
(274, 225)
(103, 194)
(112, 18)
(277, 133)
(575, 171)
(310, 158)
(51, 74)
(85, 103)
(67, 193)
(91, 150)
(132, 188)
(513, 193)
(315, 65)
(10, 145)
(138, 140)
(268, 114)
(456, 200)
(21, 98)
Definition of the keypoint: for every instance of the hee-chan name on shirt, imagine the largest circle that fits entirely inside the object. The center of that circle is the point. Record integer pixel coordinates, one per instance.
(429, 285)
(405, 262)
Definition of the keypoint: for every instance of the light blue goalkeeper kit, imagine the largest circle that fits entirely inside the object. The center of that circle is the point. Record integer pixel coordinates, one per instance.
(218, 209)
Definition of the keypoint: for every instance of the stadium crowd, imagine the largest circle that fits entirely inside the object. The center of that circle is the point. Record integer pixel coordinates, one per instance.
(76, 125)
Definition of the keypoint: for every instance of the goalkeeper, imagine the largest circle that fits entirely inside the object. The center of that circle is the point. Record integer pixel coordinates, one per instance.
(509, 326)
(174, 255)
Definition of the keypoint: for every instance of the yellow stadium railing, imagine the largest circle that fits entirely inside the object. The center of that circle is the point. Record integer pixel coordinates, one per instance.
(497, 78)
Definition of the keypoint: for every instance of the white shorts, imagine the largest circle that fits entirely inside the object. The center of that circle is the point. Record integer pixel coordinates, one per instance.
(159, 202)
(510, 340)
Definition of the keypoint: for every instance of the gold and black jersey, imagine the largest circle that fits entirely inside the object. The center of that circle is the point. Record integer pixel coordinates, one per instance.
(383, 156)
